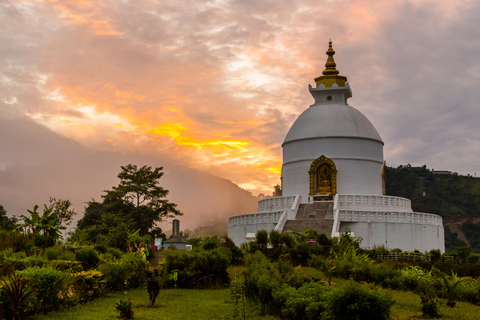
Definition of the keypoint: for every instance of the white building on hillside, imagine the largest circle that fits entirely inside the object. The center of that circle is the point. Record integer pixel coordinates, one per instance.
(333, 178)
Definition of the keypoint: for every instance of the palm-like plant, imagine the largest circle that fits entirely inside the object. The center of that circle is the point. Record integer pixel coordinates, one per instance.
(447, 285)
(30, 224)
(18, 290)
(48, 223)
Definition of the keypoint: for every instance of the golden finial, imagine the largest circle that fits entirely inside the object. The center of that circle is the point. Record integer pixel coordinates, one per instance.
(330, 65)
(330, 74)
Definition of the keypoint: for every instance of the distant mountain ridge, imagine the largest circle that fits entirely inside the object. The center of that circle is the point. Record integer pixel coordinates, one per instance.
(454, 197)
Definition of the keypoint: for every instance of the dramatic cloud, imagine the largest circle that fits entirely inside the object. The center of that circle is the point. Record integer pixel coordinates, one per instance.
(215, 85)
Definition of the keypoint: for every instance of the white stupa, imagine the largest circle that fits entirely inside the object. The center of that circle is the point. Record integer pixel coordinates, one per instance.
(333, 178)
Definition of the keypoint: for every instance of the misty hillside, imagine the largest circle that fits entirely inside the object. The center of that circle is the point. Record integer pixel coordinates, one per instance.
(37, 163)
(454, 197)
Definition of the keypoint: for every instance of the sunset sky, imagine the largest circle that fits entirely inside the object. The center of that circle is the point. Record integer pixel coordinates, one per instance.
(215, 85)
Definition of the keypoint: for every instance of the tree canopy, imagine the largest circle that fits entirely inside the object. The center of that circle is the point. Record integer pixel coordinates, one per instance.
(138, 202)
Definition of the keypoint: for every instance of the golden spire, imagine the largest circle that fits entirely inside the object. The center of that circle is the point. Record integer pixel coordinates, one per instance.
(330, 74)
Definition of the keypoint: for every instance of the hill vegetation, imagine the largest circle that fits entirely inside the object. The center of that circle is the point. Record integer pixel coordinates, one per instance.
(454, 197)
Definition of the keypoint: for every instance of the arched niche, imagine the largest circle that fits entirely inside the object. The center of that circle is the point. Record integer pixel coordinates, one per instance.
(323, 176)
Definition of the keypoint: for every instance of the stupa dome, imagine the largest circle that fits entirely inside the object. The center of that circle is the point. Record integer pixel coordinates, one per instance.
(332, 121)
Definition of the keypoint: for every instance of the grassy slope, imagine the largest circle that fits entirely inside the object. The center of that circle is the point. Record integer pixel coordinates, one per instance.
(181, 304)
(172, 304)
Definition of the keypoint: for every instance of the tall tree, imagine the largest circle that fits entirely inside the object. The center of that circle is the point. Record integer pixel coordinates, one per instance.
(138, 200)
(6, 222)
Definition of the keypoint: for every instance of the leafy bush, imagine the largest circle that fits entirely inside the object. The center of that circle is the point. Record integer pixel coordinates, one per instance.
(198, 268)
(210, 243)
(53, 253)
(429, 300)
(353, 301)
(310, 301)
(88, 257)
(125, 309)
(86, 285)
(136, 268)
(113, 253)
(18, 291)
(262, 239)
(115, 274)
(153, 285)
(66, 265)
(67, 255)
(50, 287)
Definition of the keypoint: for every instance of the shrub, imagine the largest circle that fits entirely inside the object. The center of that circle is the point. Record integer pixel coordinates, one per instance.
(210, 243)
(353, 301)
(50, 287)
(67, 255)
(153, 285)
(274, 239)
(88, 257)
(18, 290)
(86, 285)
(115, 274)
(127, 272)
(53, 253)
(310, 301)
(197, 268)
(262, 239)
(113, 253)
(125, 309)
(136, 269)
(66, 265)
(429, 300)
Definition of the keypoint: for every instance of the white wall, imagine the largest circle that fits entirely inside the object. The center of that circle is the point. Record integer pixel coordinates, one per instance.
(406, 236)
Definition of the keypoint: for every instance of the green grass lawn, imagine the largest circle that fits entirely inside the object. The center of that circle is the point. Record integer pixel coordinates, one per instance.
(184, 304)
(172, 304)
(407, 306)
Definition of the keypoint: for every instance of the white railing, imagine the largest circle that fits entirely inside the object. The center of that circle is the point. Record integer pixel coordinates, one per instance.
(372, 201)
(336, 217)
(281, 222)
(294, 208)
(255, 218)
(275, 203)
(393, 217)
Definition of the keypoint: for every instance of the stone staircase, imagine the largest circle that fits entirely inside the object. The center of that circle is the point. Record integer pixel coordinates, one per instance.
(316, 215)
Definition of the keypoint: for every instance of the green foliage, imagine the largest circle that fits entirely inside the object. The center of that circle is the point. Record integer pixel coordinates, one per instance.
(127, 272)
(447, 286)
(53, 253)
(451, 196)
(210, 243)
(274, 239)
(86, 285)
(6, 223)
(88, 257)
(429, 300)
(125, 309)
(353, 301)
(153, 285)
(66, 265)
(472, 232)
(197, 268)
(17, 290)
(50, 286)
(113, 253)
(262, 239)
(137, 203)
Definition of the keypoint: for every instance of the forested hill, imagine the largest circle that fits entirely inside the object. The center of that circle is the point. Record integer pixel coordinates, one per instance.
(454, 197)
